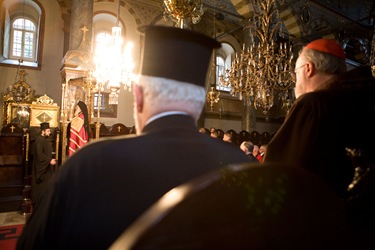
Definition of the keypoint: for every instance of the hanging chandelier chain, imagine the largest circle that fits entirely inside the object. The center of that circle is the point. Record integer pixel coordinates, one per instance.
(114, 63)
(118, 14)
(213, 96)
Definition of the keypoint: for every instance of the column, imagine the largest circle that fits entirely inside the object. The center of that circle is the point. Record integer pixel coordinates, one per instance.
(81, 16)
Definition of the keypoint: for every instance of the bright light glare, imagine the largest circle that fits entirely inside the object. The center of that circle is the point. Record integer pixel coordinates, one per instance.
(114, 63)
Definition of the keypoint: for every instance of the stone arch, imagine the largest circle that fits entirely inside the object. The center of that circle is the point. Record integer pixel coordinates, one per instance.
(320, 25)
(126, 7)
(291, 21)
(288, 16)
(243, 7)
(131, 11)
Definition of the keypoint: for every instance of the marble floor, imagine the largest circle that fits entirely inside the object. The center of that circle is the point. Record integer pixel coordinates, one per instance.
(12, 218)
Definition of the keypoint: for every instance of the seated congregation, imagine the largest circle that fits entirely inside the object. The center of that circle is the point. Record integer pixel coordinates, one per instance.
(238, 137)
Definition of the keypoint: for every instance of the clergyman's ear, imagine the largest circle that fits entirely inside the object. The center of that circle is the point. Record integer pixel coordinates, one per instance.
(138, 96)
(310, 68)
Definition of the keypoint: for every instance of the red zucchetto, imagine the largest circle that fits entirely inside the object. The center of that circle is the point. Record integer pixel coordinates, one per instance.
(329, 46)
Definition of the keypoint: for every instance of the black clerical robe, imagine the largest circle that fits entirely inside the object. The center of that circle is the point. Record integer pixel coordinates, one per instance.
(321, 125)
(41, 168)
(106, 185)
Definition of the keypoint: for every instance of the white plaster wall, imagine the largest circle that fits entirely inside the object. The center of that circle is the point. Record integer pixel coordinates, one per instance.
(47, 80)
(222, 124)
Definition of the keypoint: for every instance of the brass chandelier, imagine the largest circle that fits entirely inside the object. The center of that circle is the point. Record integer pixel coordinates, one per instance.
(114, 63)
(20, 91)
(261, 72)
(182, 12)
(213, 96)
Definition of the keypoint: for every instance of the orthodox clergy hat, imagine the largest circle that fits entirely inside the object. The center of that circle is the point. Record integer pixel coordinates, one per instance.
(329, 46)
(177, 54)
(44, 125)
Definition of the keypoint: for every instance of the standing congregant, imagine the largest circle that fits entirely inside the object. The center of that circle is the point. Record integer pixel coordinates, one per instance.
(78, 128)
(311, 136)
(42, 164)
(108, 184)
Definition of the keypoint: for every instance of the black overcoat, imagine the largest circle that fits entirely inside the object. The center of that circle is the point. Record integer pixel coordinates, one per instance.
(323, 124)
(105, 186)
(41, 168)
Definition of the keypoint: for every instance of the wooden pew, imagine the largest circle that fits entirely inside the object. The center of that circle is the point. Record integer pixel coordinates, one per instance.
(12, 167)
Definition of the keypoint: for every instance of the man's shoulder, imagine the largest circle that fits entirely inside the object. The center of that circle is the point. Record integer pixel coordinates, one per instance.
(40, 138)
(231, 150)
(252, 158)
(104, 143)
(314, 97)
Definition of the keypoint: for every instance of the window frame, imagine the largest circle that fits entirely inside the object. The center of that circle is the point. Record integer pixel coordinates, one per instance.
(106, 109)
(34, 12)
(24, 31)
(220, 70)
(225, 54)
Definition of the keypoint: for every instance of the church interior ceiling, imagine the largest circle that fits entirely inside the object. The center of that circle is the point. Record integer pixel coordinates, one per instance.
(350, 22)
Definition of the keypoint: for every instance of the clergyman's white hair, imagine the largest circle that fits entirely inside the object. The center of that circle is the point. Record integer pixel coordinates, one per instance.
(163, 91)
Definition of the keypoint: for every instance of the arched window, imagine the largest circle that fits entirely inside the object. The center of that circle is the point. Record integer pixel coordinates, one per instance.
(23, 25)
(220, 70)
(224, 57)
(23, 40)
